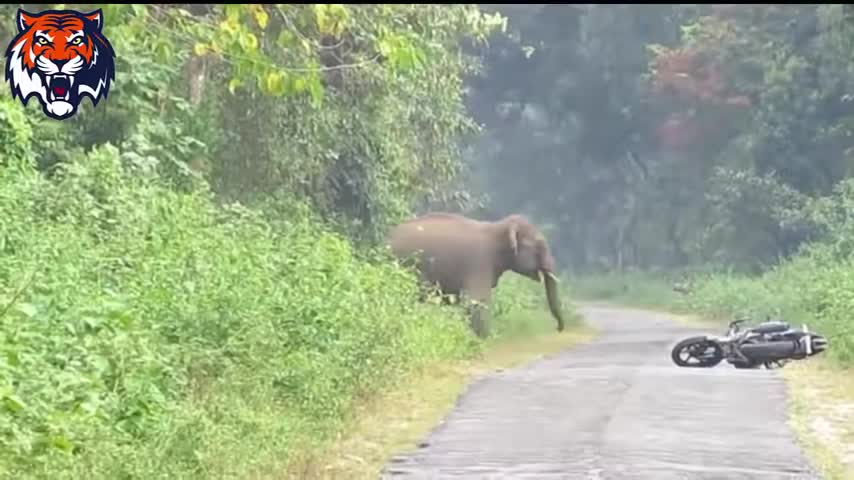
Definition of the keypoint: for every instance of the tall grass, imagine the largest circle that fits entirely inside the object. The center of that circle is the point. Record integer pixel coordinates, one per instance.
(150, 334)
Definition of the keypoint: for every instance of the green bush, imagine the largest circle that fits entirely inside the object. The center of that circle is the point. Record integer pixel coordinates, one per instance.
(149, 333)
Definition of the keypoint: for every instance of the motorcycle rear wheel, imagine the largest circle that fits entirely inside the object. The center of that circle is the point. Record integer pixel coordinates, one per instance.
(695, 347)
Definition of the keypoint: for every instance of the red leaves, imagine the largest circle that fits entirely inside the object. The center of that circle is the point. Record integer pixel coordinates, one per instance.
(695, 81)
(677, 132)
(681, 60)
(673, 72)
(740, 101)
(711, 84)
(684, 73)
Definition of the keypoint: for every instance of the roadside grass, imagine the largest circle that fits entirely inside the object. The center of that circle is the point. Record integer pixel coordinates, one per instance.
(822, 415)
(397, 419)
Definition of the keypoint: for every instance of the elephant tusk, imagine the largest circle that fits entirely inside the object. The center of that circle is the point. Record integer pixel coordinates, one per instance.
(553, 277)
(540, 274)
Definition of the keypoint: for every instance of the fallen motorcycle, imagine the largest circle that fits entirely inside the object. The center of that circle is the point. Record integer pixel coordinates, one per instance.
(772, 344)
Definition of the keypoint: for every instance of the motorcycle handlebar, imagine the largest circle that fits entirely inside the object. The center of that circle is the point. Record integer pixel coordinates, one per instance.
(737, 322)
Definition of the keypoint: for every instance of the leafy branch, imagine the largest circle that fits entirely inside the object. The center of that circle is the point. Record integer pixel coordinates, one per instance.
(17, 295)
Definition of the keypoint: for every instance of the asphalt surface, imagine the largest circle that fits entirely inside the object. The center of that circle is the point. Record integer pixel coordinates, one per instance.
(615, 408)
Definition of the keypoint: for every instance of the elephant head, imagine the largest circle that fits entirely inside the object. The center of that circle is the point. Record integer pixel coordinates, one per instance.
(528, 254)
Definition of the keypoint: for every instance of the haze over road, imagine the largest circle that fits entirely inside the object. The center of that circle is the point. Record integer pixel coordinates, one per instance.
(616, 408)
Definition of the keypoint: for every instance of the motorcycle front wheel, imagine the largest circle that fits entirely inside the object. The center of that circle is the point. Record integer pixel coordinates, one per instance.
(697, 352)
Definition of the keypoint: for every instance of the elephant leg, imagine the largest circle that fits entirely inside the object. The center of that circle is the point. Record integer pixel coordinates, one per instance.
(478, 294)
(480, 318)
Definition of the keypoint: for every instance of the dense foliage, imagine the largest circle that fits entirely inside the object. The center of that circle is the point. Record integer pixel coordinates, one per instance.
(180, 293)
(670, 135)
(150, 332)
(357, 108)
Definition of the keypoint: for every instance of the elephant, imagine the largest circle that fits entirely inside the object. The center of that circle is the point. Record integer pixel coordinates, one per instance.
(467, 257)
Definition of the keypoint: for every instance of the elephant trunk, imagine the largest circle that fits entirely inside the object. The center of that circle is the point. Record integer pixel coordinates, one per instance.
(552, 296)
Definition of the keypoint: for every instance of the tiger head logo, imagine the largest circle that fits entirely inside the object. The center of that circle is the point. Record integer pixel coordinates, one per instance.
(60, 56)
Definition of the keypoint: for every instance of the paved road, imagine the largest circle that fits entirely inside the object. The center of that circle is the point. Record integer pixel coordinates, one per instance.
(616, 408)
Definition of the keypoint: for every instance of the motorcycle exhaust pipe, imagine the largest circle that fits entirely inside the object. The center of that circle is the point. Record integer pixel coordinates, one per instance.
(817, 344)
(766, 352)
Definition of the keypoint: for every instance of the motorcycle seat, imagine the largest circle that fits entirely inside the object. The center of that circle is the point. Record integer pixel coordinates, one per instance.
(771, 327)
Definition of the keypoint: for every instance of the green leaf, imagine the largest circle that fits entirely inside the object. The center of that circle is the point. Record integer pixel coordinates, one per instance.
(285, 40)
(61, 442)
(138, 9)
(249, 41)
(13, 359)
(261, 16)
(401, 53)
(90, 405)
(321, 17)
(232, 12)
(100, 364)
(90, 323)
(234, 84)
(300, 84)
(13, 403)
(274, 83)
(115, 309)
(230, 28)
(27, 309)
(163, 48)
(385, 45)
(200, 49)
(315, 89)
